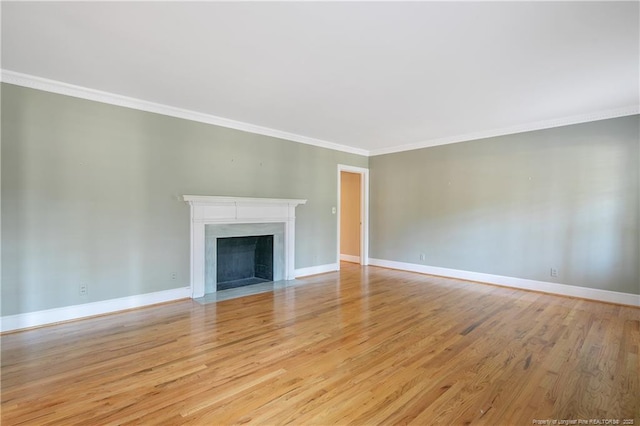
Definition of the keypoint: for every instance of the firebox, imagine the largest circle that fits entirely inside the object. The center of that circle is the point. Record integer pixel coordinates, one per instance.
(244, 261)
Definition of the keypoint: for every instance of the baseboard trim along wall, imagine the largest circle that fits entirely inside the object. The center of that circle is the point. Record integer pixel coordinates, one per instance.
(315, 270)
(521, 283)
(350, 258)
(67, 313)
(50, 316)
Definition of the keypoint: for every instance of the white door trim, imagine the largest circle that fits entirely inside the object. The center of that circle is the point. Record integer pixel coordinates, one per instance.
(364, 211)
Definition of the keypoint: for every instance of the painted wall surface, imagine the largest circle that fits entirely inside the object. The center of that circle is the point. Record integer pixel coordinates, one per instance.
(518, 205)
(91, 194)
(350, 214)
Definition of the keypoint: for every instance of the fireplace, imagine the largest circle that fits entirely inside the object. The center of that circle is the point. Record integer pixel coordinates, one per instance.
(214, 218)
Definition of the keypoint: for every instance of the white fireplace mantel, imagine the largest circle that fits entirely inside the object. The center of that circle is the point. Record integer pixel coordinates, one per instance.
(229, 210)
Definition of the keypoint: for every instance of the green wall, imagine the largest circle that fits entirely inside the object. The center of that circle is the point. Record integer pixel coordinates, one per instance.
(91, 194)
(517, 205)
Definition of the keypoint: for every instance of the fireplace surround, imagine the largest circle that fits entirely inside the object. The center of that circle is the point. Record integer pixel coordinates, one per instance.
(215, 217)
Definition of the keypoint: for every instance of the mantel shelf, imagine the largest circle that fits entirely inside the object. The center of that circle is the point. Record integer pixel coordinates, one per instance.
(209, 199)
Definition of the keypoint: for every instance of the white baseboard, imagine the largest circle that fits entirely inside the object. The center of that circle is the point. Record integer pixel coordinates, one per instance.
(314, 270)
(49, 316)
(350, 258)
(521, 283)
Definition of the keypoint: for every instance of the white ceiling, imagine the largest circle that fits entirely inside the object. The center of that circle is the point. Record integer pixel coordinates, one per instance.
(377, 77)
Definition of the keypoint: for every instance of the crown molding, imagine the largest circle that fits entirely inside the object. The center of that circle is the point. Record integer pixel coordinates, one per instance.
(521, 128)
(53, 86)
(61, 88)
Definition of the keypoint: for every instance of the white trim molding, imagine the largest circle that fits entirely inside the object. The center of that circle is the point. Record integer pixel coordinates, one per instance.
(238, 210)
(67, 313)
(61, 88)
(315, 270)
(520, 128)
(350, 258)
(520, 283)
(54, 86)
(364, 212)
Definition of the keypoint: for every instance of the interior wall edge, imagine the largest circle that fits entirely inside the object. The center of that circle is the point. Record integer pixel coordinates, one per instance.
(67, 313)
(315, 270)
(513, 282)
(61, 88)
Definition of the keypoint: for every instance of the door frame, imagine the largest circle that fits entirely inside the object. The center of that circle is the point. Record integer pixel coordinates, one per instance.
(364, 211)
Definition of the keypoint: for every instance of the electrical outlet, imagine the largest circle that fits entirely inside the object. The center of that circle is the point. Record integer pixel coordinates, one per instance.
(422, 257)
(554, 272)
(174, 275)
(82, 290)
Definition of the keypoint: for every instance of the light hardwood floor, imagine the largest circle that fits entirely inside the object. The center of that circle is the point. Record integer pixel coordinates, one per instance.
(363, 346)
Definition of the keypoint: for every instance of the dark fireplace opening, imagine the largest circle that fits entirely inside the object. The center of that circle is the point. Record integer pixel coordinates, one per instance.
(244, 261)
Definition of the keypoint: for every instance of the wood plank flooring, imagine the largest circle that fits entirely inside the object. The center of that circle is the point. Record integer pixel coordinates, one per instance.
(363, 346)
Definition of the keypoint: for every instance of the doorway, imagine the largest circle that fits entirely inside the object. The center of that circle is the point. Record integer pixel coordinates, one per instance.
(353, 215)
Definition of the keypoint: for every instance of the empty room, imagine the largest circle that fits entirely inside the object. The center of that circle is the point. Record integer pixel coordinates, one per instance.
(320, 213)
